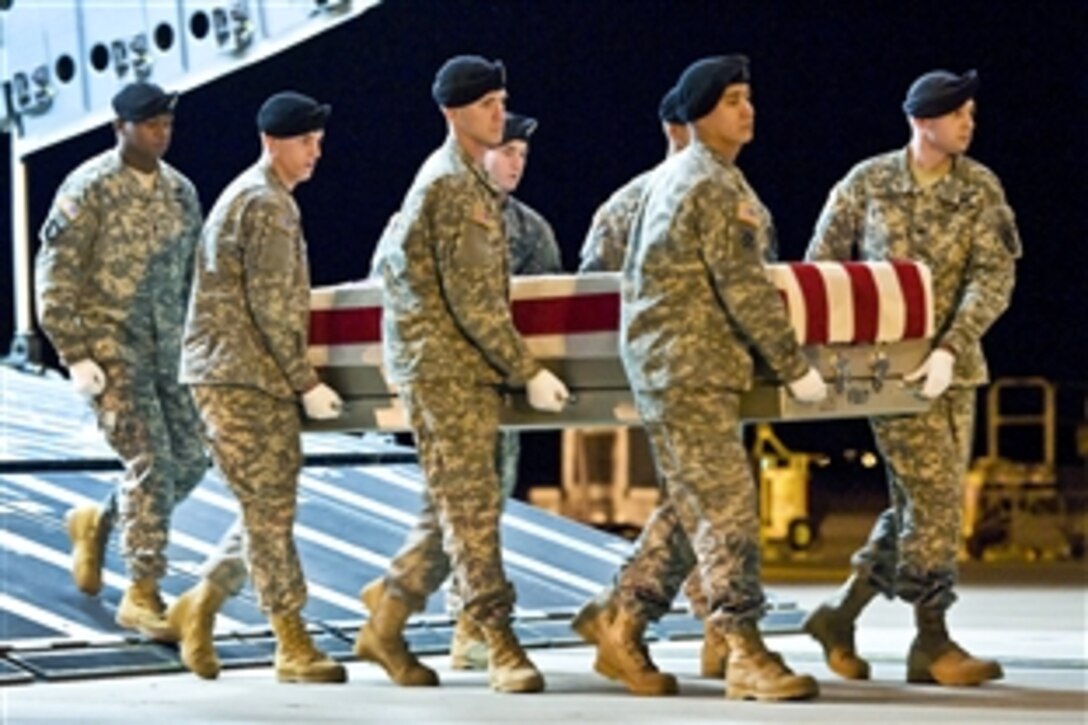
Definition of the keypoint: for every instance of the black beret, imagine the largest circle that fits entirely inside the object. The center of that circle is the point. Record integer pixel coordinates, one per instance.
(668, 111)
(289, 113)
(700, 86)
(140, 101)
(939, 92)
(465, 78)
(517, 127)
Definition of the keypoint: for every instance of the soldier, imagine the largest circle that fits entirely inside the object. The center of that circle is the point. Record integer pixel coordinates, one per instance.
(533, 250)
(696, 306)
(113, 275)
(603, 251)
(606, 240)
(448, 344)
(931, 203)
(245, 356)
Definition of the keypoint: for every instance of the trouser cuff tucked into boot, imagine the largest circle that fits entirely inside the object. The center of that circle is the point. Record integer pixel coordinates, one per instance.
(192, 617)
(380, 639)
(509, 668)
(754, 673)
(621, 654)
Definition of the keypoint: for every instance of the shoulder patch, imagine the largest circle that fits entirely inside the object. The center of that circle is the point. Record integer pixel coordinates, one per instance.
(1002, 220)
(68, 207)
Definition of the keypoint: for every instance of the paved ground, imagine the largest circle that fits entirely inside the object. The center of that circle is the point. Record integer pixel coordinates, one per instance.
(1036, 630)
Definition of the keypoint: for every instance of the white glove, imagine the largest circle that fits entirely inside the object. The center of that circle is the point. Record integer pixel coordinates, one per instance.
(547, 392)
(88, 380)
(322, 403)
(809, 388)
(937, 370)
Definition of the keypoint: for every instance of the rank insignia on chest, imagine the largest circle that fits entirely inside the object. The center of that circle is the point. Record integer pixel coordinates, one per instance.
(746, 212)
(480, 216)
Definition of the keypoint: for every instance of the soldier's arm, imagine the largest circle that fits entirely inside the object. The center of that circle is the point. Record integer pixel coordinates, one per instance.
(67, 245)
(839, 224)
(989, 278)
(193, 223)
(727, 237)
(270, 256)
(472, 272)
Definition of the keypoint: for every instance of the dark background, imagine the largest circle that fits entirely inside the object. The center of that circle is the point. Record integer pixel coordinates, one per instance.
(828, 80)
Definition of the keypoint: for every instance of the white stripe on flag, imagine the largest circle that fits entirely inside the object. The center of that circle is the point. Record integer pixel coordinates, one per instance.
(892, 315)
(840, 302)
(784, 279)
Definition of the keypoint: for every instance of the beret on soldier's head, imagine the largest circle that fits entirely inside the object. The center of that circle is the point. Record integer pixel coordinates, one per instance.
(939, 92)
(668, 111)
(701, 85)
(465, 78)
(140, 101)
(288, 113)
(517, 128)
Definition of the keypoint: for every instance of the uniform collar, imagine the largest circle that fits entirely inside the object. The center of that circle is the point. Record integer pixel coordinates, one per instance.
(464, 158)
(702, 149)
(952, 188)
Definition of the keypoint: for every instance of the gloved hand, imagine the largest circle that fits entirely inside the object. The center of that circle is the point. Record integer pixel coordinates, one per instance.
(809, 388)
(322, 403)
(937, 371)
(88, 380)
(547, 392)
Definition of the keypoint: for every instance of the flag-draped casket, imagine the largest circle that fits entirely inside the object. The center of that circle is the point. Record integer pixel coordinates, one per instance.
(864, 325)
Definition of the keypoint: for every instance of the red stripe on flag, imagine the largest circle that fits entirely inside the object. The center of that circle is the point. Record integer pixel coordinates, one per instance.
(543, 316)
(568, 315)
(346, 326)
(914, 299)
(814, 294)
(866, 297)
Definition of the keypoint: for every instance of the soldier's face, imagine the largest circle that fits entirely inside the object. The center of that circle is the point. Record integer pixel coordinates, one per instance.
(295, 158)
(952, 132)
(732, 123)
(148, 139)
(482, 120)
(506, 164)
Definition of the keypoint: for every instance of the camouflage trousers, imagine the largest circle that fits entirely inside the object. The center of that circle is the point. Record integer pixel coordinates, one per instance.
(226, 566)
(255, 441)
(707, 523)
(455, 429)
(149, 420)
(911, 551)
(507, 455)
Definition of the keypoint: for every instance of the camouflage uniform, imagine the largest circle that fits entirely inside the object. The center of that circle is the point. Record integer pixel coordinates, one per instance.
(606, 240)
(112, 278)
(449, 343)
(245, 355)
(533, 249)
(696, 299)
(965, 231)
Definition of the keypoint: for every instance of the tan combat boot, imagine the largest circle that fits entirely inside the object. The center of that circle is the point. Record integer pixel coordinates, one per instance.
(832, 625)
(297, 660)
(88, 532)
(509, 668)
(142, 609)
(754, 673)
(715, 652)
(192, 617)
(380, 639)
(934, 657)
(468, 648)
(621, 654)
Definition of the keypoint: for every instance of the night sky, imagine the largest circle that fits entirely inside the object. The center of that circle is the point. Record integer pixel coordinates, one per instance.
(828, 79)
